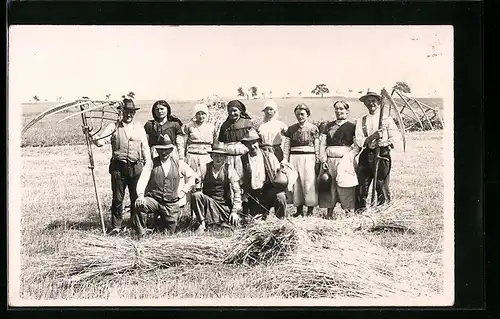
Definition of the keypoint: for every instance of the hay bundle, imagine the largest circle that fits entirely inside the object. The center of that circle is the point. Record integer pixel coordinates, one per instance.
(88, 256)
(263, 242)
(345, 265)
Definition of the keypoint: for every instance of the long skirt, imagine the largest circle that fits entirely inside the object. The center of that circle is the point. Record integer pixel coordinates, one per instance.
(304, 190)
(346, 196)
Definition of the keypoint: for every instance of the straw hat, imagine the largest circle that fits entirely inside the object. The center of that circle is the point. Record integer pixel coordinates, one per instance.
(218, 148)
(128, 105)
(251, 136)
(368, 94)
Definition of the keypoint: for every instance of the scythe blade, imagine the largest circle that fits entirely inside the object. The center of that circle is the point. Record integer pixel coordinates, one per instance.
(53, 110)
(398, 116)
(83, 111)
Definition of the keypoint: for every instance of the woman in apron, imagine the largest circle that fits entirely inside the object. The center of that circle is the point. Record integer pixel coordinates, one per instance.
(337, 152)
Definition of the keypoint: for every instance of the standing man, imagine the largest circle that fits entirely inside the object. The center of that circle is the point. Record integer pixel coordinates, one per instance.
(261, 189)
(159, 189)
(369, 137)
(219, 201)
(130, 151)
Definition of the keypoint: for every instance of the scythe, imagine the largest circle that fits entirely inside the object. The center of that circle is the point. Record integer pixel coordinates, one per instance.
(392, 104)
(86, 131)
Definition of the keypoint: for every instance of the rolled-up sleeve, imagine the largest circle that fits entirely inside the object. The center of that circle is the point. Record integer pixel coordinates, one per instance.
(189, 176)
(234, 181)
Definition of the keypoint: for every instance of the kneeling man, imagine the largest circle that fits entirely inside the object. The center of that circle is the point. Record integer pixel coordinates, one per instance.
(158, 189)
(219, 201)
(261, 190)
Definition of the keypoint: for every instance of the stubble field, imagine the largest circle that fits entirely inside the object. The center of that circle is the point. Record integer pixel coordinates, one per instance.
(57, 199)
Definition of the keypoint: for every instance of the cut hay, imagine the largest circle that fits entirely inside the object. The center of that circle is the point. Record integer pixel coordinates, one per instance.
(88, 256)
(263, 243)
(304, 257)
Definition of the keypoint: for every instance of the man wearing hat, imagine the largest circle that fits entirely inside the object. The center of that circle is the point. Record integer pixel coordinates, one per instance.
(159, 189)
(130, 150)
(263, 183)
(219, 200)
(369, 137)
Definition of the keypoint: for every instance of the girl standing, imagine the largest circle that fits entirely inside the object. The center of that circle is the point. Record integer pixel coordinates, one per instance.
(271, 130)
(301, 150)
(200, 137)
(337, 152)
(164, 123)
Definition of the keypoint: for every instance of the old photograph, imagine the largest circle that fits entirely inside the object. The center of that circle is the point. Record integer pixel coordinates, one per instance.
(230, 165)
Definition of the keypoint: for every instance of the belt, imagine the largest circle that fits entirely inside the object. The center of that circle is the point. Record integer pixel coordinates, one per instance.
(172, 201)
(197, 153)
(269, 145)
(302, 152)
(124, 163)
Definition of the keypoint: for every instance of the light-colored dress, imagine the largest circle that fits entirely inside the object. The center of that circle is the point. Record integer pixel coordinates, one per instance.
(271, 134)
(301, 149)
(200, 138)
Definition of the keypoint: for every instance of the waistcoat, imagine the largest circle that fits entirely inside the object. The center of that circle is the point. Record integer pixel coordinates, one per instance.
(163, 187)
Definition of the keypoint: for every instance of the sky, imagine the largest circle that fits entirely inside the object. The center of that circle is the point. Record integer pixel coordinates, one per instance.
(190, 62)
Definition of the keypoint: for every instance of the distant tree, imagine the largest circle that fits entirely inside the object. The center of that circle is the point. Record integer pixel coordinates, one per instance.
(240, 91)
(288, 94)
(36, 98)
(300, 93)
(270, 92)
(45, 100)
(263, 94)
(402, 86)
(350, 90)
(108, 96)
(131, 95)
(360, 92)
(85, 98)
(253, 90)
(59, 99)
(320, 89)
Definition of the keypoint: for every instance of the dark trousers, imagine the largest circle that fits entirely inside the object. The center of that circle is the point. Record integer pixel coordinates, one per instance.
(123, 175)
(261, 200)
(366, 173)
(163, 216)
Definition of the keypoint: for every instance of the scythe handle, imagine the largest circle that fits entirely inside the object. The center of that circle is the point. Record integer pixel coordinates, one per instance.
(377, 152)
(88, 142)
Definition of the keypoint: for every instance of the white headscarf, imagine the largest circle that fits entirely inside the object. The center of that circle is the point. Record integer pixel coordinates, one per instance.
(200, 107)
(272, 104)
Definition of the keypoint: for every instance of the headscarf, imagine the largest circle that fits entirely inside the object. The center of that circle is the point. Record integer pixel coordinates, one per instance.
(200, 108)
(272, 104)
(170, 117)
(240, 106)
(344, 103)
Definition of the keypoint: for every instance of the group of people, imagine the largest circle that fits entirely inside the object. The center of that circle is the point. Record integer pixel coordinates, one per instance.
(240, 171)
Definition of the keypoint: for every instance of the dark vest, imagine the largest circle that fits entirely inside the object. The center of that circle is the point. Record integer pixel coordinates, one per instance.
(163, 187)
(124, 148)
(247, 171)
(217, 188)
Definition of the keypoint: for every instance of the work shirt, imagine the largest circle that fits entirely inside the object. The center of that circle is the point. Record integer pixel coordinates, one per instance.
(184, 171)
(270, 132)
(390, 131)
(217, 178)
(129, 141)
(199, 137)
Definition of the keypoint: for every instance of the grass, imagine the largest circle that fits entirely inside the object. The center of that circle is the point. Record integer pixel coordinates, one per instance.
(48, 132)
(57, 198)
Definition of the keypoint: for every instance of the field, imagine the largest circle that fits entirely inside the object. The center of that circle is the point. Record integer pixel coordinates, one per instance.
(57, 200)
(49, 133)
